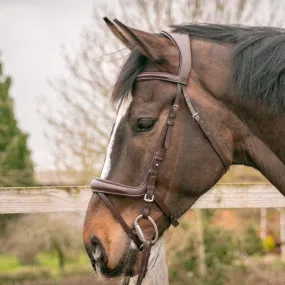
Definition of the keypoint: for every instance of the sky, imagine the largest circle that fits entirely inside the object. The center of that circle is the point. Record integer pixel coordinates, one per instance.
(32, 34)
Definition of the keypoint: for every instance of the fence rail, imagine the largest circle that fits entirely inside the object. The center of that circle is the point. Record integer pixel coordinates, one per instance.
(75, 199)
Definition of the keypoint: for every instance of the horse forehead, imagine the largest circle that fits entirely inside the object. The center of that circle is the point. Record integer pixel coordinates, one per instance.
(152, 90)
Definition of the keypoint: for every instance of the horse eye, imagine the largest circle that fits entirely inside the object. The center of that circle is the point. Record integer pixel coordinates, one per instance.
(144, 125)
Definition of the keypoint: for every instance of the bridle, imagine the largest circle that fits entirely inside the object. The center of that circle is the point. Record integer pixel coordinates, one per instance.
(147, 189)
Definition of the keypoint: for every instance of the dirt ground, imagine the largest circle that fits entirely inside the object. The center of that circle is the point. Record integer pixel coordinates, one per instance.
(72, 280)
(256, 274)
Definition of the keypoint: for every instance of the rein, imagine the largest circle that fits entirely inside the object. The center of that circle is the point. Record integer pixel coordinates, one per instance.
(147, 189)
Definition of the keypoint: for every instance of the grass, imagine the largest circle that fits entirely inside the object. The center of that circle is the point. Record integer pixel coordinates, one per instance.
(9, 263)
(10, 266)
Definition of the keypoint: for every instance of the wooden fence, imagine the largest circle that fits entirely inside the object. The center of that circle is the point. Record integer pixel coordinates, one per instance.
(75, 199)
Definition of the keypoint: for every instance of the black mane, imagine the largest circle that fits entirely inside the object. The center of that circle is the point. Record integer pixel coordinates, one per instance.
(258, 61)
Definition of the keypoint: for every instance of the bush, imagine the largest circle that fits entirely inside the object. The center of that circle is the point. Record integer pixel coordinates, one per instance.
(251, 243)
(221, 249)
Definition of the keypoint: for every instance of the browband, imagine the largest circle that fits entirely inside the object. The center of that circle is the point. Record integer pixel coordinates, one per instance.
(162, 76)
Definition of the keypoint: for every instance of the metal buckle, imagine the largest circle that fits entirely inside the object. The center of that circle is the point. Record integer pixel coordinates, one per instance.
(148, 200)
(174, 109)
(139, 231)
(195, 115)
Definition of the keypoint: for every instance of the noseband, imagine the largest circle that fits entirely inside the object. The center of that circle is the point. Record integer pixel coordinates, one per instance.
(146, 190)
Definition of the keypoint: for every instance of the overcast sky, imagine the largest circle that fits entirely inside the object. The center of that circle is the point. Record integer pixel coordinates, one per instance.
(32, 33)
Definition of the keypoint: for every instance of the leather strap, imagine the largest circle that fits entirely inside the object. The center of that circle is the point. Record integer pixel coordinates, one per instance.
(172, 219)
(144, 261)
(182, 41)
(162, 76)
(226, 162)
(109, 187)
(120, 219)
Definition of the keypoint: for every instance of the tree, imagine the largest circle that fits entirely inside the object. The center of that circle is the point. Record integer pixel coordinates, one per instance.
(16, 166)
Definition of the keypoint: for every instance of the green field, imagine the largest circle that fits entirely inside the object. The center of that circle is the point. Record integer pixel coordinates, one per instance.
(46, 266)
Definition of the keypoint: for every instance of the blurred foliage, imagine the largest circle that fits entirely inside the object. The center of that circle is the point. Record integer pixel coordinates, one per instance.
(224, 250)
(220, 248)
(251, 243)
(231, 257)
(16, 166)
(10, 264)
(269, 243)
(27, 236)
(46, 271)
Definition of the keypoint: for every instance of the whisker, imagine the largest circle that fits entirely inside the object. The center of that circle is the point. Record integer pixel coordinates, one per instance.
(118, 58)
(109, 54)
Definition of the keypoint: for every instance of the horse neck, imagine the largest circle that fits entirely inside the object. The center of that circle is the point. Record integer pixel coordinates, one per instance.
(265, 125)
(262, 144)
(256, 132)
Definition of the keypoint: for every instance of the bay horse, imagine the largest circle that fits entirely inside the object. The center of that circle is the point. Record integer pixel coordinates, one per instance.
(192, 103)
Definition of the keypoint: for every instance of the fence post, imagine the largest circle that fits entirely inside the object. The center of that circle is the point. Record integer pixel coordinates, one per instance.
(282, 233)
(263, 223)
(201, 243)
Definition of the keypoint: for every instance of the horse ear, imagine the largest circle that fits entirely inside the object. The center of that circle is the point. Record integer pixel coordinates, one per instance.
(118, 33)
(149, 45)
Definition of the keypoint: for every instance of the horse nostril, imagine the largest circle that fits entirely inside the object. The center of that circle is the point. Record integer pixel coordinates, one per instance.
(94, 242)
(95, 248)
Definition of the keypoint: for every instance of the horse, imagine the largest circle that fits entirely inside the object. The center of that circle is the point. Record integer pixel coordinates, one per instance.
(192, 103)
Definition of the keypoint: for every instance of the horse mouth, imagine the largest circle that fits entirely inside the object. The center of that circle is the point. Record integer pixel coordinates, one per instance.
(125, 267)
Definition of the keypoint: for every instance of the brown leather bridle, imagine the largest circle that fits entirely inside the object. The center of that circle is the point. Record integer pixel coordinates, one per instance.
(147, 189)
